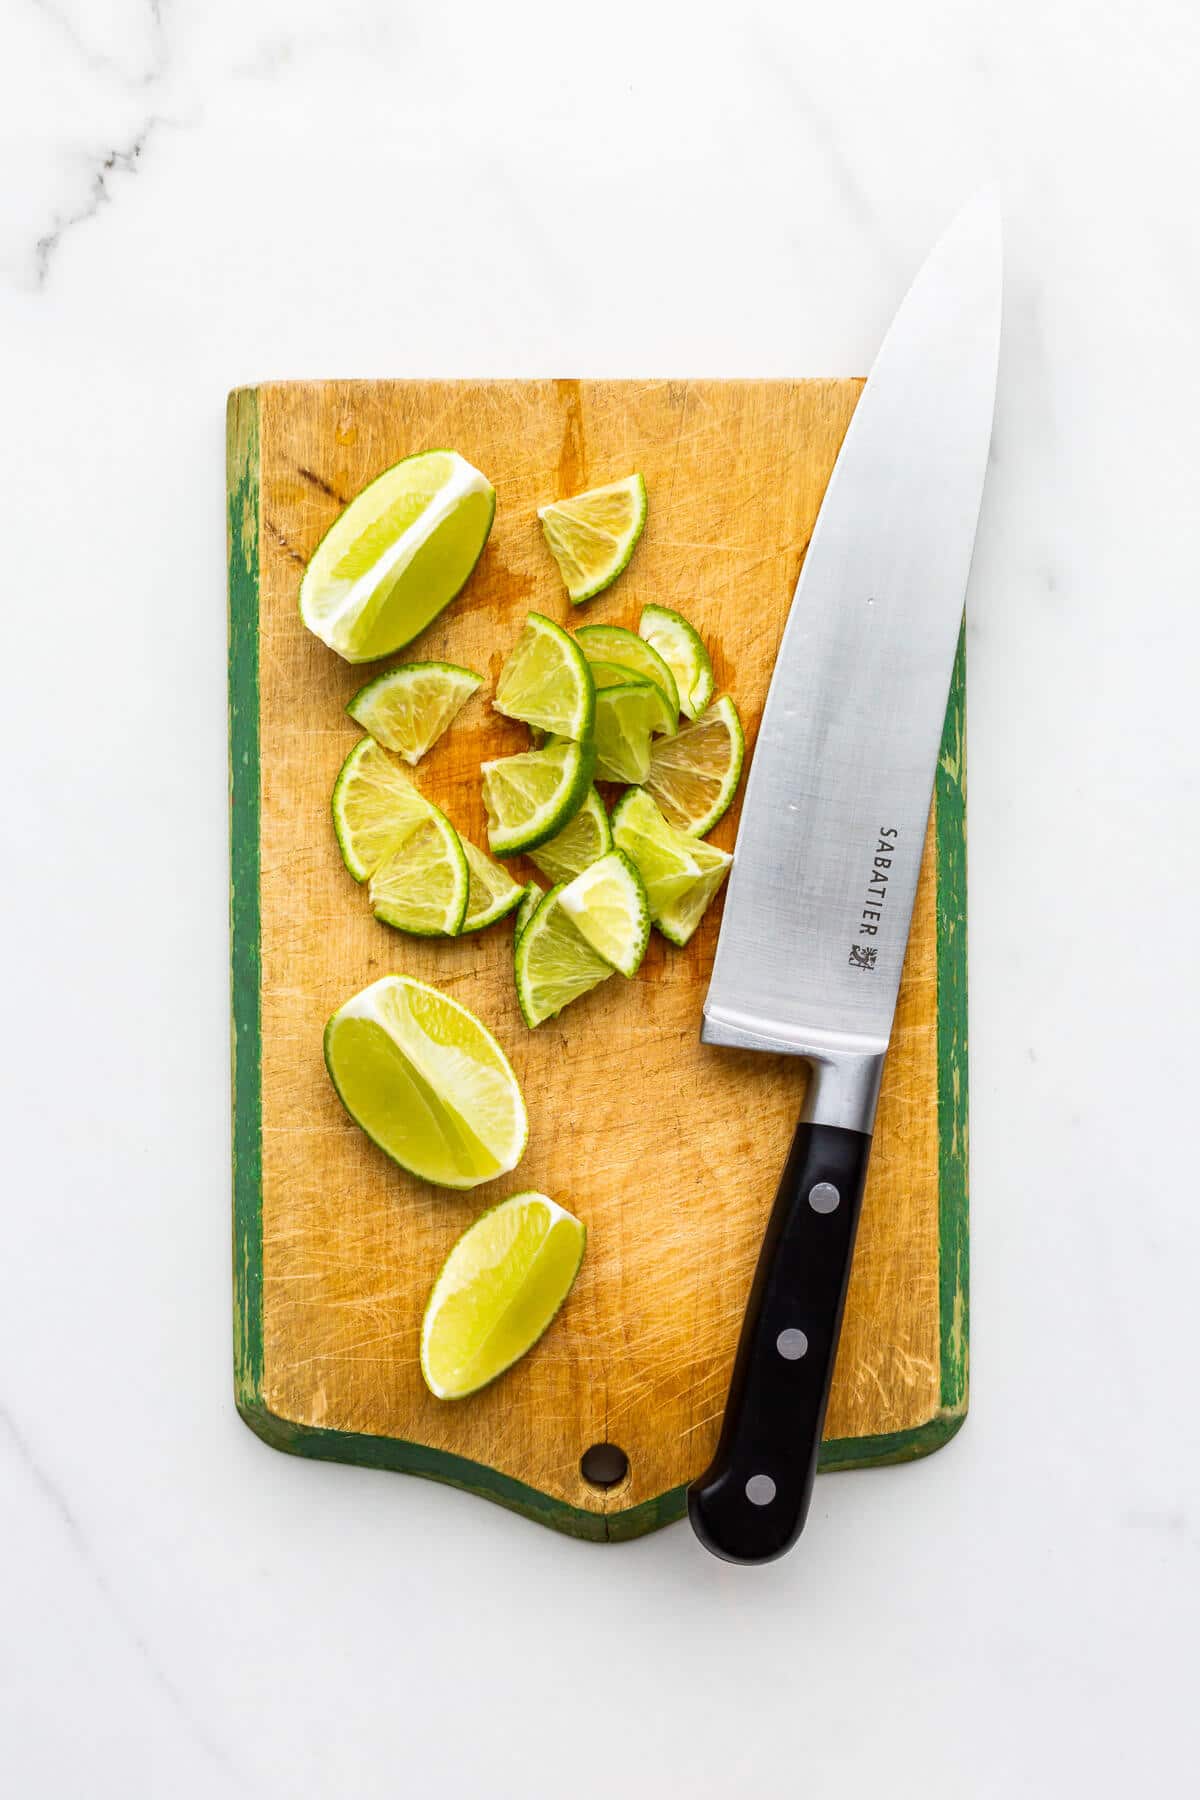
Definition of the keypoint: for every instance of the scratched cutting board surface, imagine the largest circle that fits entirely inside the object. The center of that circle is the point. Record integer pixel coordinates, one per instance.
(669, 1150)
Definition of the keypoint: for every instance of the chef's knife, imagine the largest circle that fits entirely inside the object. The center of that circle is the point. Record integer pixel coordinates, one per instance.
(825, 867)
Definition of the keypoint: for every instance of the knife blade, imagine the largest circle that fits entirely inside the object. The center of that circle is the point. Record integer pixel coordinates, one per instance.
(828, 851)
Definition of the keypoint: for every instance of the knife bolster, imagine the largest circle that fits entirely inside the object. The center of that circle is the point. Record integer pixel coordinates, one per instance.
(846, 1070)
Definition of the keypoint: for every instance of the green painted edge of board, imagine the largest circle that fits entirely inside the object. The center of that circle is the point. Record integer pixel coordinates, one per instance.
(244, 504)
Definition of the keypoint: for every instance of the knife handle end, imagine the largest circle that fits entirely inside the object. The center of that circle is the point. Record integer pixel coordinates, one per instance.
(750, 1504)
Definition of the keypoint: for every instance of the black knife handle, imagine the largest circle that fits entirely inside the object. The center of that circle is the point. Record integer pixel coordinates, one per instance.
(751, 1502)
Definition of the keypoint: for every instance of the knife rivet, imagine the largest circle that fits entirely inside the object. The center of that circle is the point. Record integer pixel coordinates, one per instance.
(760, 1490)
(792, 1344)
(824, 1198)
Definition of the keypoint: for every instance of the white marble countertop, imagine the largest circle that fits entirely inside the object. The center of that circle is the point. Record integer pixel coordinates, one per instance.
(201, 195)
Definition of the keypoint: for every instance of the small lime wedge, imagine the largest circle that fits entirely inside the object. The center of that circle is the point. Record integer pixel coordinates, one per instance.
(583, 841)
(592, 536)
(546, 681)
(531, 899)
(613, 644)
(694, 775)
(608, 907)
(494, 894)
(680, 873)
(422, 886)
(531, 796)
(397, 555)
(427, 1082)
(681, 648)
(626, 716)
(374, 804)
(408, 709)
(498, 1290)
(552, 963)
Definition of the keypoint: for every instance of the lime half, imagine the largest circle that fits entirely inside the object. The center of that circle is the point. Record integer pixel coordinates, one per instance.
(612, 644)
(626, 716)
(499, 1289)
(583, 841)
(607, 905)
(553, 963)
(546, 681)
(494, 893)
(427, 1082)
(680, 646)
(408, 709)
(423, 885)
(694, 775)
(374, 804)
(531, 796)
(591, 537)
(397, 555)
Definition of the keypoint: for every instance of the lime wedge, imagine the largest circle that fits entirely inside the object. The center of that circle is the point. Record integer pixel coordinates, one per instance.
(427, 1082)
(408, 709)
(530, 901)
(397, 555)
(422, 885)
(612, 644)
(373, 805)
(608, 907)
(552, 963)
(680, 873)
(494, 893)
(531, 796)
(592, 536)
(546, 682)
(499, 1289)
(694, 775)
(680, 647)
(679, 919)
(583, 841)
(625, 718)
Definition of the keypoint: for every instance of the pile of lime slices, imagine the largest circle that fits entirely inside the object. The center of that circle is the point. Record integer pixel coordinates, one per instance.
(416, 1071)
(612, 705)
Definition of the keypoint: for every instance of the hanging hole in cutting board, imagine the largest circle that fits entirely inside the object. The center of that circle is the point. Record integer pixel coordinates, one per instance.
(604, 1465)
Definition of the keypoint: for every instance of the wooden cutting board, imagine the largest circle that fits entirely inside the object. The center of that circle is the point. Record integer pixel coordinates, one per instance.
(669, 1150)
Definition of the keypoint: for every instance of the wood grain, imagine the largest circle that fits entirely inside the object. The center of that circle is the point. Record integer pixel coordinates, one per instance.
(669, 1150)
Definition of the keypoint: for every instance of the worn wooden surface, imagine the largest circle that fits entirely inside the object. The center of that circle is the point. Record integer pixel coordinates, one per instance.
(669, 1150)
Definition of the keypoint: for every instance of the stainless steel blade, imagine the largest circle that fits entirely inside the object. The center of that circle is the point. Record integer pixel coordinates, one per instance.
(837, 800)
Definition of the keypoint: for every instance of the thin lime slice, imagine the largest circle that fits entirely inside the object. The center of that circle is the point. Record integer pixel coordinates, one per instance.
(423, 885)
(694, 775)
(626, 716)
(530, 901)
(553, 964)
(607, 905)
(374, 804)
(546, 682)
(499, 1289)
(583, 841)
(531, 796)
(668, 861)
(427, 1082)
(611, 644)
(408, 709)
(678, 920)
(397, 555)
(591, 536)
(494, 894)
(680, 646)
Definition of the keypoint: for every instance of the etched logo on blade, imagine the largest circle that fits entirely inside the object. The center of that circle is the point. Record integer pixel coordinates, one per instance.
(862, 956)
